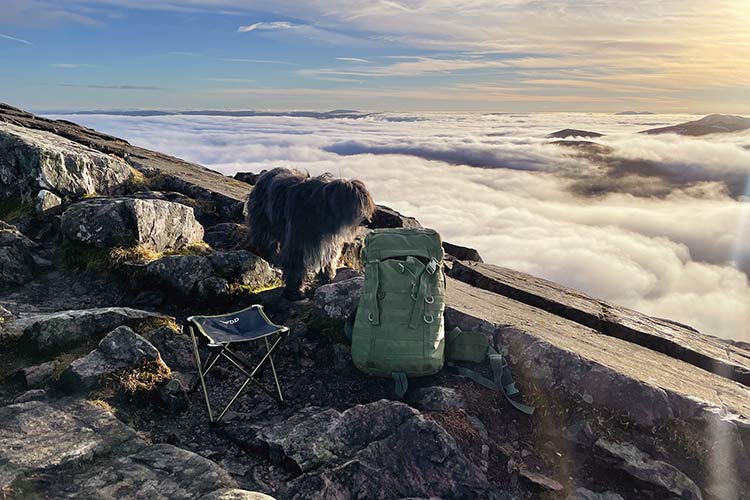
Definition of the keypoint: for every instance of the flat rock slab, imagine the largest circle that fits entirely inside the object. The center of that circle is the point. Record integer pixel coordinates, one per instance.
(31, 160)
(38, 436)
(726, 358)
(584, 367)
(158, 472)
(198, 182)
(128, 222)
(51, 332)
(384, 449)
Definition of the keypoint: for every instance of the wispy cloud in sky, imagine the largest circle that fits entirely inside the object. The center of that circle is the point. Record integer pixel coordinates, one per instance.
(276, 25)
(14, 39)
(109, 87)
(259, 61)
(677, 55)
(353, 59)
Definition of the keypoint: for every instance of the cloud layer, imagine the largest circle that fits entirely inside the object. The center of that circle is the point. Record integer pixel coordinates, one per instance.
(678, 252)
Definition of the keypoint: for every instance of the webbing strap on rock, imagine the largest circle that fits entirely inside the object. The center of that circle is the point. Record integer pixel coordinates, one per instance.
(401, 383)
(474, 347)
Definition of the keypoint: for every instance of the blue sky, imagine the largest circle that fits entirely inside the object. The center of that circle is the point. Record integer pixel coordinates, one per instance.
(467, 55)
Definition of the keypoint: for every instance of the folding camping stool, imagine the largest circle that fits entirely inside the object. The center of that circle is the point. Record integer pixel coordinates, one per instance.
(222, 333)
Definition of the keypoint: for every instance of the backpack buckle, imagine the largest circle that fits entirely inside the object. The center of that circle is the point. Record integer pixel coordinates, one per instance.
(432, 266)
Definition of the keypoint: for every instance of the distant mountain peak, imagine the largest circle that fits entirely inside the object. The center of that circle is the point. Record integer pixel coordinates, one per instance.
(571, 132)
(710, 124)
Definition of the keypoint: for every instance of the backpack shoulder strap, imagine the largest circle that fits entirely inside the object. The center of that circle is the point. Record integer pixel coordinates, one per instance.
(474, 347)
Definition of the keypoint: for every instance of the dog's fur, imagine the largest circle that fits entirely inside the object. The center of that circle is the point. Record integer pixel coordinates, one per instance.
(300, 223)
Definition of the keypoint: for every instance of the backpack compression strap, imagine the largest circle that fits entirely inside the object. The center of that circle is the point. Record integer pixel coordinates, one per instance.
(474, 347)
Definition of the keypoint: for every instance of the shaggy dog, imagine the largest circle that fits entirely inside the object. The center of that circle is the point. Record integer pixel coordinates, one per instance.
(300, 223)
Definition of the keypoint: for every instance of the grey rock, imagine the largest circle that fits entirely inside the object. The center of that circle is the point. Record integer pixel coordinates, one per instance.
(159, 471)
(339, 300)
(539, 480)
(32, 395)
(584, 494)
(17, 264)
(221, 193)
(38, 375)
(249, 177)
(173, 396)
(127, 222)
(243, 267)
(437, 399)
(47, 203)
(51, 332)
(236, 494)
(38, 436)
(226, 236)
(656, 473)
(176, 348)
(31, 160)
(462, 253)
(208, 277)
(338, 454)
(121, 349)
(180, 273)
(385, 217)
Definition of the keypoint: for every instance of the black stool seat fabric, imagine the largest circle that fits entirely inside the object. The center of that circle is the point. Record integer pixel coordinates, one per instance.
(240, 326)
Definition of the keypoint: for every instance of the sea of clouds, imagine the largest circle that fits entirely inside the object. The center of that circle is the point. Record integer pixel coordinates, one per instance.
(655, 223)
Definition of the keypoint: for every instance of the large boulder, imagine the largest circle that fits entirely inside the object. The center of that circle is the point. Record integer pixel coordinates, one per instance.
(31, 160)
(37, 436)
(122, 349)
(128, 222)
(370, 449)
(17, 265)
(207, 277)
(51, 332)
(159, 471)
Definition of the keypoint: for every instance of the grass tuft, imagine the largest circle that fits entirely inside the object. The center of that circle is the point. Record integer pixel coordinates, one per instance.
(144, 326)
(145, 378)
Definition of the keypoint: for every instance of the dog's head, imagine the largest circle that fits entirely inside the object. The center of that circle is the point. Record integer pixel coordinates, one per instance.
(352, 198)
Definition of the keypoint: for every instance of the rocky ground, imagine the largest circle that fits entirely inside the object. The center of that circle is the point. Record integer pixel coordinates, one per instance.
(105, 248)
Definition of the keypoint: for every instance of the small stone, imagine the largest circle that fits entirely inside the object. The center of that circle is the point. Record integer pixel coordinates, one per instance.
(539, 480)
(32, 395)
(173, 396)
(479, 426)
(47, 203)
(437, 399)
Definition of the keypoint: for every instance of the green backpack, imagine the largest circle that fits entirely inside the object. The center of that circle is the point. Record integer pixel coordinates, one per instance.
(398, 329)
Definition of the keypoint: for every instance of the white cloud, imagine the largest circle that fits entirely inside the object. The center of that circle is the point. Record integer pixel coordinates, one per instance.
(276, 25)
(669, 256)
(14, 39)
(353, 59)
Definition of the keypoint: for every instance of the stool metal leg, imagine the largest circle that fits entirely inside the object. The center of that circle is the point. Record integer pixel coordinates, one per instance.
(273, 369)
(200, 372)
